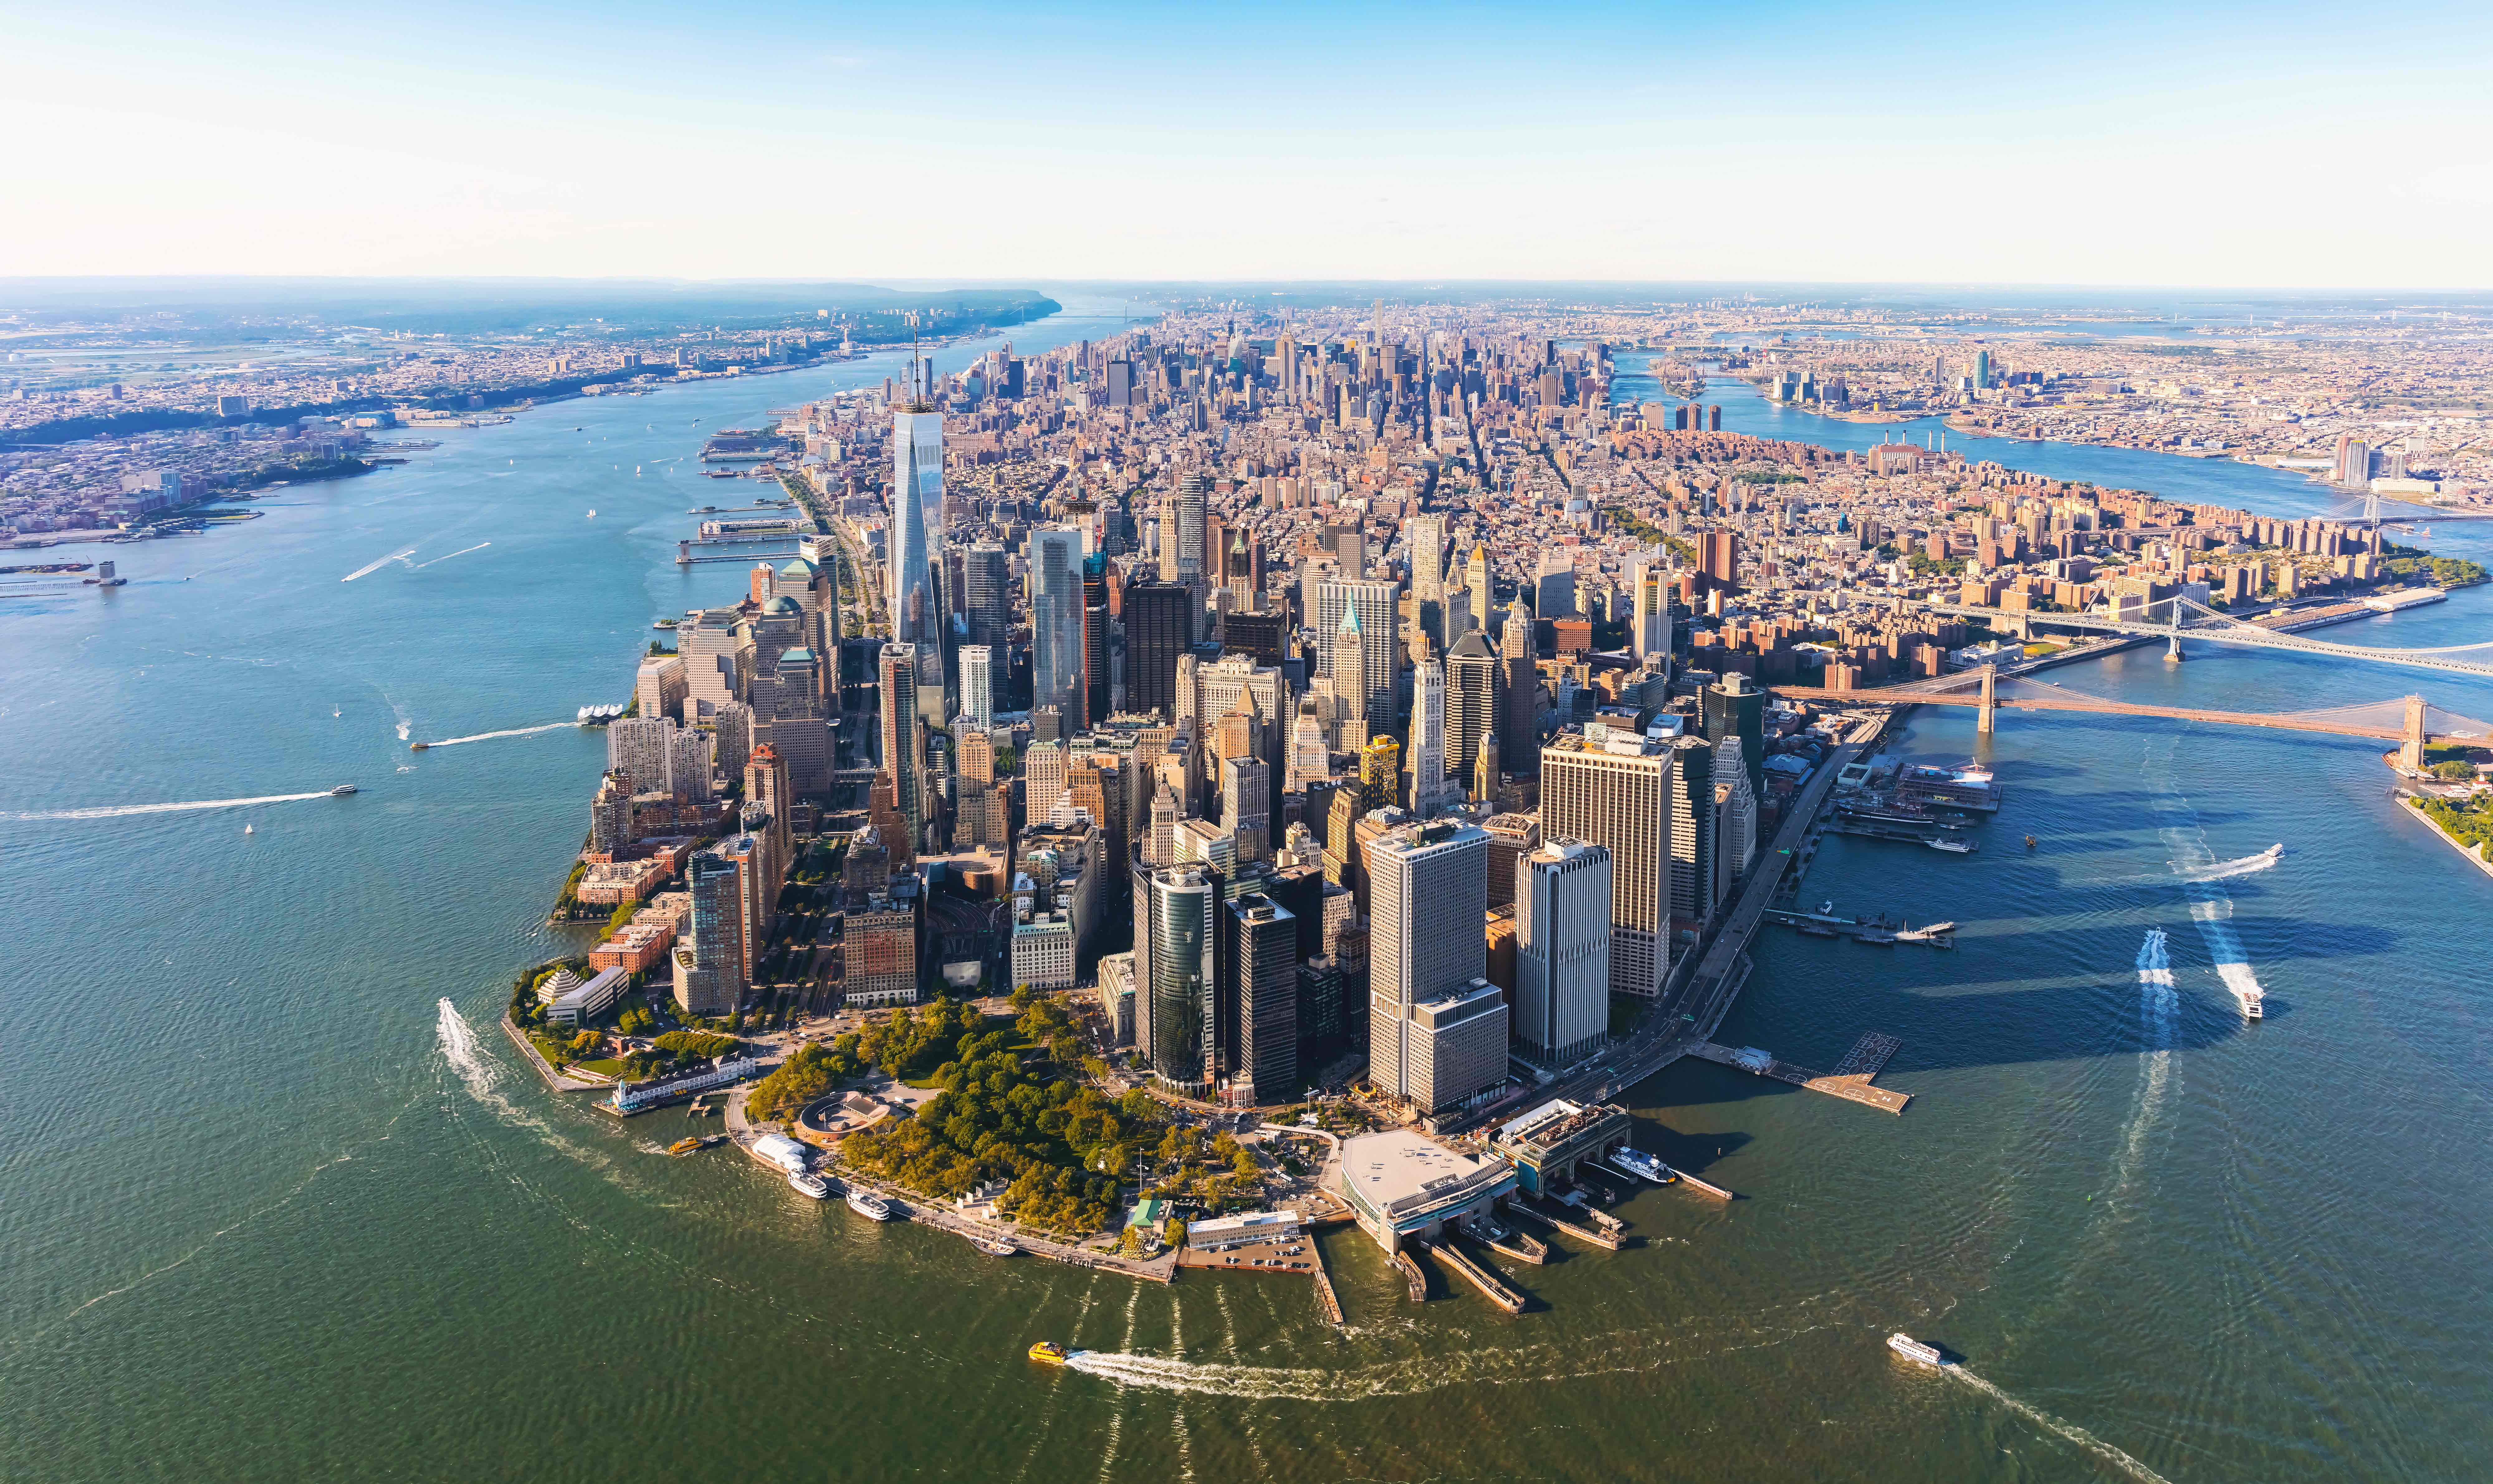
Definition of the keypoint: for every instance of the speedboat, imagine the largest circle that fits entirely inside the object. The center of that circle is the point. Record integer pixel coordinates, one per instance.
(1952, 847)
(871, 1207)
(1048, 1353)
(810, 1183)
(1915, 1349)
(342, 790)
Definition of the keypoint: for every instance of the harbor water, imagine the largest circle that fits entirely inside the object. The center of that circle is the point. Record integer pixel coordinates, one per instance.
(280, 1201)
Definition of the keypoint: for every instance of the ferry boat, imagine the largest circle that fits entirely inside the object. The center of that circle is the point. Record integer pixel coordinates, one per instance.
(871, 1207)
(1930, 934)
(342, 790)
(1048, 1353)
(1911, 1349)
(1952, 847)
(1635, 1162)
(809, 1184)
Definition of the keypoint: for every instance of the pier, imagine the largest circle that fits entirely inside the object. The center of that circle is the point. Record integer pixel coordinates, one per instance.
(1850, 1080)
(1478, 1276)
(1413, 1274)
(1326, 1298)
(1706, 1186)
(1607, 1240)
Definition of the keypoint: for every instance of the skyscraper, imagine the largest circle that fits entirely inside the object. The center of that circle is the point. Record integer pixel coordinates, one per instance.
(898, 672)
(1428, 537)
(1718, 553)
(1471, 704)
(1193, 494)
(917, 491)
(1733, 706)
(1427, 755)
(1649, 607)
(1561, 952)
(1612, 788)
(1377, 606)
(1427, 895)
(709, 960)
(1056, 621)
(1693, 876)
(979, 685)
(987, 600)
(1479, 582)
(1178, 933)
(1263, 961)
(1158, 628)
(1518, 724)
(1554, 593)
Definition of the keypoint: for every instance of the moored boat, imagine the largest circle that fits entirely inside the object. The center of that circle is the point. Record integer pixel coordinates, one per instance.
(998, 1249)
(1952, 847)
(1635, 1162)
(871, 1207)
(809, 1184)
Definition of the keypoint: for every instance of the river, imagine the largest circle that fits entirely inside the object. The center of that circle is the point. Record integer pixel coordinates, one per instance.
(280, 1202)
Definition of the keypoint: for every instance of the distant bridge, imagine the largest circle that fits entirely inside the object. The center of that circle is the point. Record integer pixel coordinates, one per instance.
(2184, 619)
(2406, 720)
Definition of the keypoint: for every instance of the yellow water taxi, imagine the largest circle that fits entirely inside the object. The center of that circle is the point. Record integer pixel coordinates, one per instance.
(1048, 1353)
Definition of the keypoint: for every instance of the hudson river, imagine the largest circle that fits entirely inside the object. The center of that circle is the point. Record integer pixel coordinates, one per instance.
(279, 1201)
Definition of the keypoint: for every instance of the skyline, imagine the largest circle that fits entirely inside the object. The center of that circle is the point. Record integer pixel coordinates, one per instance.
(2130, 148)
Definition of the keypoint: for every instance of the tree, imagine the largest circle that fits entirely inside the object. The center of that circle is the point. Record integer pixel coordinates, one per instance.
(2453, 769)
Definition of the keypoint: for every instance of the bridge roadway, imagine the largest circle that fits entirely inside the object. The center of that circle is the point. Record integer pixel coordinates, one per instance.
(2218, 629)
(2273, 720)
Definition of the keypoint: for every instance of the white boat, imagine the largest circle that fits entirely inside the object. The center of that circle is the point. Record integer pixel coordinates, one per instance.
(1630, 1160)
(810, 1183)
(2249, 998)
(1924, 934)
(1952, 847)
(998, 1249)
(247, 829)
(871, 1207)
(1911, 1349)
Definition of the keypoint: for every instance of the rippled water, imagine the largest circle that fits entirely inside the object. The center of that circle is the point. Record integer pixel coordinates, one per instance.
(279, 1201)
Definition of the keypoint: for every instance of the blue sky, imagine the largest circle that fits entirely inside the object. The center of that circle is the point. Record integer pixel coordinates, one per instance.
(2117, 145)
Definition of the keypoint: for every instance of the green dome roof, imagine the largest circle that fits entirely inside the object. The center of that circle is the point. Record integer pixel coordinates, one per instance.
(781, 604)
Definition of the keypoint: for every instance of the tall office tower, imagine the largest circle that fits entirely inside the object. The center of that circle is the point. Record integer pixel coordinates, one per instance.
(708, 641)
(798, 729)
(1485, 773)
(1233, 684)
(1691, 834)
(1471, 704)
(987, 600)
(1056, 621)
(1427, 889)
(1613, 788)
(916, 493)
(1427, 536)
(1735, 706)
(1262, 961)
(1349, 546)
(1479, 583)
(1982, 370)
(979, 685)
(897, 671)
(1649, 607)
(1309, 757)
(1380, 771)
(1159, 627)
(2354, 465)
(1246, 808)
(1285, 365)
(1736, 817)
(1120, 381)
(1427, 755)
(709, 960)
(636, 747)
(1562, 953)
(1346, 663)
(1166, 813)
(1378, 607)
(1718, 553)
(1518, 722)
(1179, 904)
(734, 731)
(1511, 838)
(976, 753)
(1238, 571)
(1553, 588)
(1193, 495)
(767, 789)
(1042, 771)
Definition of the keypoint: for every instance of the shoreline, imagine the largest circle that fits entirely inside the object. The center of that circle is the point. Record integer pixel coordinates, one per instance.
(558, 1082)
(2475, 857)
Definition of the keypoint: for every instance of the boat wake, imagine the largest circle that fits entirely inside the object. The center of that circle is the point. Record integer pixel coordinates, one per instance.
(461, 551)
(119, 811)
(551, 726)
(2227, 870)
(369, 568)
(2069, 1431)
(2159, 1015)
(459, 1049)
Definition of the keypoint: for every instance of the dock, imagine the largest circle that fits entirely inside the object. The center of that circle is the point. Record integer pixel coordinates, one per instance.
(1326, 1298)
(1413, 1275)
(1479, 1277)
(1705, 1186)
(1559, 1224)
(1851, 1081)
(1508, 1243)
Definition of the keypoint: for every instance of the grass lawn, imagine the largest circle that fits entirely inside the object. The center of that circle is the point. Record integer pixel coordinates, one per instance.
(606, 1066)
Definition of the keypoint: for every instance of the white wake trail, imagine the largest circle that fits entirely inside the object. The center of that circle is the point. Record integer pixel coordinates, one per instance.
(369, 568)
(551, 726)
(2227, 870)
(461, 551)
(120, 810)
(2054, 1425)
(458, 1049)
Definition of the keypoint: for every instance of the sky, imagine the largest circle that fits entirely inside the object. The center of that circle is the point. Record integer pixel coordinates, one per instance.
(2220, 145)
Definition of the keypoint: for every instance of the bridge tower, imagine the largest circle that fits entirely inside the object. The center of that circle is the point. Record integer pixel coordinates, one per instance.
(1982, 718)
(2411, 751)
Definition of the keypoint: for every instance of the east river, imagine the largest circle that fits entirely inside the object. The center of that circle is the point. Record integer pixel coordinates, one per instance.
(278, 1201)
